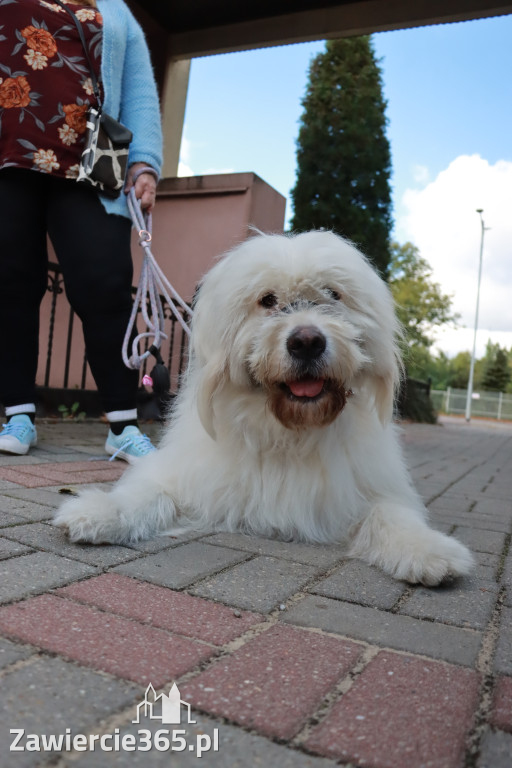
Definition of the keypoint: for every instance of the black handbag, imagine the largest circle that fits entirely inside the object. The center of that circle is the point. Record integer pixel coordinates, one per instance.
(104, 160)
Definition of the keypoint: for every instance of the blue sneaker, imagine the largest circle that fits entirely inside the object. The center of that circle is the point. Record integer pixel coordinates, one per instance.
(131, 445)
(18, 435)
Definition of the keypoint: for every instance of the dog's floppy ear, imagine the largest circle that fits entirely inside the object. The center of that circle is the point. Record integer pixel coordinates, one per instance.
(212, 377)
(386, 383)
(385, 388)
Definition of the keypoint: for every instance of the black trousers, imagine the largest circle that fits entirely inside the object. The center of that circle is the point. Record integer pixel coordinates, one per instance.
(93, 250)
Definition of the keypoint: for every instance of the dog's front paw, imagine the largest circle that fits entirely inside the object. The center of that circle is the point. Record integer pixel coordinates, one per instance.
(89, 518)
(435, 559)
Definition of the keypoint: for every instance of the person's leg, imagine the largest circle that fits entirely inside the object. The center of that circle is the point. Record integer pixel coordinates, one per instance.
(93, 249)
(23, 269)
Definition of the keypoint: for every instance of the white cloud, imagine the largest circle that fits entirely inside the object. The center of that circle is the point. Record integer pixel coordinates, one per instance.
(453, 340)
(184, 169)
(441, 220)
(212, 171)
(420, 174)
(185, 148)
(186, 161)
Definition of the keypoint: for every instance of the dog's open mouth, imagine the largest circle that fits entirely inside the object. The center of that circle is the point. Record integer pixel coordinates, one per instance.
(306, 390)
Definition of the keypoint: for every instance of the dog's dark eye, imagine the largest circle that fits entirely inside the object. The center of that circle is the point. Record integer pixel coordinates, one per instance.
(269, 300)
(333, 294)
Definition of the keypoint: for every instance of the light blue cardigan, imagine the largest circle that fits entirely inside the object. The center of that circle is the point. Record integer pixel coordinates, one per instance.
(130, 93)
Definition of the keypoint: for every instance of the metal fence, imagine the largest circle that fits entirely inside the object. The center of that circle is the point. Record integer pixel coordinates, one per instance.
(174, 349)
(493, 405)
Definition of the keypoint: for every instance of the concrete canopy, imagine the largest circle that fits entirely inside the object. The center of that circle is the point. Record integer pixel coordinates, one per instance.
(202, 27)
(179, 30)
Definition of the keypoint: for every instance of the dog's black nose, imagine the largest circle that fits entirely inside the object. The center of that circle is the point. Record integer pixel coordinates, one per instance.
(306, 342)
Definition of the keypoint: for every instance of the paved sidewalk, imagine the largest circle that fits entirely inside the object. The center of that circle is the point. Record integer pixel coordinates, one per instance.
(290, 655)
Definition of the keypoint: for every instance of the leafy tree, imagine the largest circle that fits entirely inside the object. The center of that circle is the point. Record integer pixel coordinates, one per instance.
(421, 305)
(496, 373)
(438, 369)
(459, 374)
(343, 154)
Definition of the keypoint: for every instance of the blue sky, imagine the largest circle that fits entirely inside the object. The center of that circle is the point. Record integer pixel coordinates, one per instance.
(450, 119)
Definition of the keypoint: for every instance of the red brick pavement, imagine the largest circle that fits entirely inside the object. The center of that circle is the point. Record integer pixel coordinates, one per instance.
(65, 473)
(162, 607)
(502, 705)
(402, 712)
(274, 681)
(101, 640)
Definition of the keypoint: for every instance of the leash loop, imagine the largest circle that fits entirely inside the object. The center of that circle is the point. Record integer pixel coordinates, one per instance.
(144, 236)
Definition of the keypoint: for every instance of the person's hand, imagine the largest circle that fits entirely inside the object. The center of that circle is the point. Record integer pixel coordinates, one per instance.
(145, 186)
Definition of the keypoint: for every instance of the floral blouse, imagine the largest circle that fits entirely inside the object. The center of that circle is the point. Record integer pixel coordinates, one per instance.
(45, 84)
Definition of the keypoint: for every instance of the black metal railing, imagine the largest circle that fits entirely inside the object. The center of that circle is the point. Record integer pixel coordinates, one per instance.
(414, 401)
(174, 350)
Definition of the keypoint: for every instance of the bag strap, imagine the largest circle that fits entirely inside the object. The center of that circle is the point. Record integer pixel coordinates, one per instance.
(78, 25)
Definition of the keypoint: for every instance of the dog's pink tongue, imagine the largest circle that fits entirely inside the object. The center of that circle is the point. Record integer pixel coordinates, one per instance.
(306, 387)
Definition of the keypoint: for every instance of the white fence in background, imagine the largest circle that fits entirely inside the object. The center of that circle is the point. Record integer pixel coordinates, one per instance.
(492, 405)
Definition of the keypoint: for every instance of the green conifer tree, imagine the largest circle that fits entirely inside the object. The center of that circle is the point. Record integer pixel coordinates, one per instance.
(497, 371)
(343, 154)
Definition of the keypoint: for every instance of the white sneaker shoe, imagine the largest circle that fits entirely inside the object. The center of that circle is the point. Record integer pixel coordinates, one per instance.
(18, 435)
(131, 445)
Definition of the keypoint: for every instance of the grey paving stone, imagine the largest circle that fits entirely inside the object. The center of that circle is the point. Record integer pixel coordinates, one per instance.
(11, 652)
(6, 485)
(486, 566)
(181, 566)
(490, 506)
(11, 548)
(428, 489)
(487, 558)
(507, 571)
(28, 510)
(405, 633)
(503, 657)
(439, 526)
(9, 518)
(159, 543)
(71, 456)
(237, 749)
(259, 585)
(481, 541)
(470, 521)
(485, 572)
(310, 554)
(450, 503)
(50, 695)
(17, 461)
(497, 492)
(495, 750)
(56, 490)
(28, 574)
(36, 495)
(50, 539)
(96, 451)
(466, 602)
(361, 583)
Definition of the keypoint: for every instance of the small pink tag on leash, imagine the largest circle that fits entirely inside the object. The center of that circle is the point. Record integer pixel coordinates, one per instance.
(147, 380)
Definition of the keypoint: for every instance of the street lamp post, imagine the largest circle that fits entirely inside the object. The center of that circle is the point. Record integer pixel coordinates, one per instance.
(472, 365)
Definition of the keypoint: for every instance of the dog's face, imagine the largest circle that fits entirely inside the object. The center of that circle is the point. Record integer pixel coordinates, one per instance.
(303, 319)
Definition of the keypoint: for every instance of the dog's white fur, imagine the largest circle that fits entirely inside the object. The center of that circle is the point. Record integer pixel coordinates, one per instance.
(242, 453)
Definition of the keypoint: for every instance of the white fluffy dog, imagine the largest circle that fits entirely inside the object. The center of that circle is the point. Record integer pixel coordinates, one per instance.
(282, 426)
